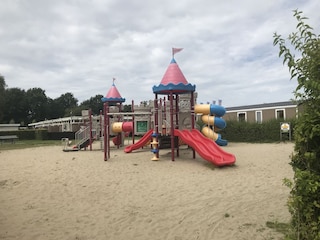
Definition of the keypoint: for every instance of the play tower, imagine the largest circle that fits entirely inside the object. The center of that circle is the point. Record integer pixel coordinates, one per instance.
(173, 84)
(113, 98)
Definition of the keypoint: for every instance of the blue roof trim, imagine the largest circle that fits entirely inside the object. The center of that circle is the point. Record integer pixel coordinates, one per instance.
(117, 100)
(181, 88)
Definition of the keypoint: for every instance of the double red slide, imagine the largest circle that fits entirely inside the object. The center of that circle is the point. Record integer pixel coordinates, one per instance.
(205, 147)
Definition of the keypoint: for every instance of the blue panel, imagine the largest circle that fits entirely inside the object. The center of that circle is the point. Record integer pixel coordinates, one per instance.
(176, 88)
(114, 100)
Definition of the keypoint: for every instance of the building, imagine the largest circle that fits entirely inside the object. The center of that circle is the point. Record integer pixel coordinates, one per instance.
(9, 127)
(263, 112)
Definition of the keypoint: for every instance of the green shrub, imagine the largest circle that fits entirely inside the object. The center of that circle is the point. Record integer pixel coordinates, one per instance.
(304, 201)
(253, 132)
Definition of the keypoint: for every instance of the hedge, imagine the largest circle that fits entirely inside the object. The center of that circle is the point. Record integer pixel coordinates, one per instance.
(254, 132)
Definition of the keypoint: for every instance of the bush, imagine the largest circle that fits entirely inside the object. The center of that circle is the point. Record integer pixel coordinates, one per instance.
(304, 201)
(253, 132)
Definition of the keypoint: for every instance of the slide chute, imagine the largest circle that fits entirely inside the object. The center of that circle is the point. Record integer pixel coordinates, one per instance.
(211, 116)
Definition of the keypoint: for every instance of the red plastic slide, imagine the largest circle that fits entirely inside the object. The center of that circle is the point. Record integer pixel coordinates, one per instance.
(142, 141)
(205, 147)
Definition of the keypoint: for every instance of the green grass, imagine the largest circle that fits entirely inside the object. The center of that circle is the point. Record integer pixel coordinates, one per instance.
(20, 144)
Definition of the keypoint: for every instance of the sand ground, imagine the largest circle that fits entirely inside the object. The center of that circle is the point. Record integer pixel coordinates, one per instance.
(46, 193)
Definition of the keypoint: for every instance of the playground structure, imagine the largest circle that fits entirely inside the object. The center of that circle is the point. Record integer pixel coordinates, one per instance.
(165, 122)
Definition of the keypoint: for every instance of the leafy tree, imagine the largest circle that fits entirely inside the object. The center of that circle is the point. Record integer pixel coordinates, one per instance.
(2, 97)
(127, 108)
(304, 200)
(15, 106)
(54, 111)
(94, 103)
(65, 104)
(37, 104)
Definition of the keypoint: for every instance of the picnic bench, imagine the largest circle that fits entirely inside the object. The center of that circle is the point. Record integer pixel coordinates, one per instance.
(8, 138)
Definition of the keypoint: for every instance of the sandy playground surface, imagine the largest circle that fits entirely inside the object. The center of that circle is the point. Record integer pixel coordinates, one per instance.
(46, 193)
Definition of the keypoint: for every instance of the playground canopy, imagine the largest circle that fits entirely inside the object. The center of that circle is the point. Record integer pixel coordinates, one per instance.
(113, 96)
(173, 81)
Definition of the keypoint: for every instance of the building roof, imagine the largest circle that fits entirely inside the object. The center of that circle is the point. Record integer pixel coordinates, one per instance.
(264, 105)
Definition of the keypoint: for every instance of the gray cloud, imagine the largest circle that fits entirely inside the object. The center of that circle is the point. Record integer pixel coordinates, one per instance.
(79, 46)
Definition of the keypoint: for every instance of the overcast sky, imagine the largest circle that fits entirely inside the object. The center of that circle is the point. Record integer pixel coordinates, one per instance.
(80, 46)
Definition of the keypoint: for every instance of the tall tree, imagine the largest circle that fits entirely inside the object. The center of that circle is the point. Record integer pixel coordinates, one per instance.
(53, 111)
(304, 201)
(65, 104)
(15, 106)
(94, 103)
(2, 97)
(37, 104)
(127, 108)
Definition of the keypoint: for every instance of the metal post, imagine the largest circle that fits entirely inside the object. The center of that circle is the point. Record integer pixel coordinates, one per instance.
(165, 115)
(120, 119)
(105, 138)
(106, 132)
(177, 120)
(172, 126)
(133, 123)
(90, 128)
(156, 121)
(192, 118)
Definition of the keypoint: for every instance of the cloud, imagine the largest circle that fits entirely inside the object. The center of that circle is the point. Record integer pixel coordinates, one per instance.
(78, 47)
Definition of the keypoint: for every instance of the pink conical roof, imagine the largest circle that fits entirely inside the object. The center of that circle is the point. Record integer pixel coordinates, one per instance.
(173, 75)
(113, 92)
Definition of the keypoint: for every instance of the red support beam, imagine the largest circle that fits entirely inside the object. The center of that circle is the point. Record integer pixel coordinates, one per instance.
(156, 120)
(171, 126)
(192, 118)
(177, 119)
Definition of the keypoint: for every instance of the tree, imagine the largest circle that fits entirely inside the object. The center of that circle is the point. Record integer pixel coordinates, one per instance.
(65, 104)
(15, 106)
(304, 200)
(94, 103)
(54, 111)
(2, 97)
(37, 104)
(127, 108)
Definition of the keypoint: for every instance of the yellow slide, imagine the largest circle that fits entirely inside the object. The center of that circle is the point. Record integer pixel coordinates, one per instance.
(209, 133)
(212, 117)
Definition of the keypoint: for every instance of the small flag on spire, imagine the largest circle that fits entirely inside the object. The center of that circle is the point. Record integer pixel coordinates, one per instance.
(113, 79)
(176, 50)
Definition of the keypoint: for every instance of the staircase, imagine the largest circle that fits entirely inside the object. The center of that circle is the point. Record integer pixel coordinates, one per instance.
(82, 137)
